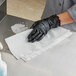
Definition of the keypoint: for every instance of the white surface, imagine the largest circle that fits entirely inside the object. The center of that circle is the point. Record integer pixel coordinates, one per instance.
(58, 61)
(17, 28)
(21, 48)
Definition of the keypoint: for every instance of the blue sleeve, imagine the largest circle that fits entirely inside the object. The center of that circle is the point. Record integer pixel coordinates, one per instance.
(72, 12)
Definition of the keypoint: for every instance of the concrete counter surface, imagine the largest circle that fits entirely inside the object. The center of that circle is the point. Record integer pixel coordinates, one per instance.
(58, 61)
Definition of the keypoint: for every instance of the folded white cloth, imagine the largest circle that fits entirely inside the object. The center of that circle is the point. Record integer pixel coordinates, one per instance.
(21, 48)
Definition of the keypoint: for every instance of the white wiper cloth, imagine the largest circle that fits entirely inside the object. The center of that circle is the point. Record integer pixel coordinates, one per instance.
(21, 48)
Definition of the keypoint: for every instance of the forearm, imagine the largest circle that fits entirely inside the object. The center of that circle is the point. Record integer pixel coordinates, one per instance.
(65, 18)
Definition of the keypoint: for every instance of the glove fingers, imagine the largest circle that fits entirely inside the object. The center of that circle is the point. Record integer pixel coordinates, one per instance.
(33, 35)
(38, 37)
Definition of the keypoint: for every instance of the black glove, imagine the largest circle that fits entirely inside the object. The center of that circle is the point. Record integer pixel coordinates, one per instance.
(41, 27)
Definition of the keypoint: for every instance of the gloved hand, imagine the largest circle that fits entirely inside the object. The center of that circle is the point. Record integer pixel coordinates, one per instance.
(41, 27)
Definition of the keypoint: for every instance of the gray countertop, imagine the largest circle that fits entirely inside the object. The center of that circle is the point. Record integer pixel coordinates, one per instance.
(5, 27)
(58, 61)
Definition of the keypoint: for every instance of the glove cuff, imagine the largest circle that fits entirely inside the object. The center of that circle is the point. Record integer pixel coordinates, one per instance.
(54, 21)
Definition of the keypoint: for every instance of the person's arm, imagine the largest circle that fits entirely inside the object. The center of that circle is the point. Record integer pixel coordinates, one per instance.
(41, 28)
(65, 18)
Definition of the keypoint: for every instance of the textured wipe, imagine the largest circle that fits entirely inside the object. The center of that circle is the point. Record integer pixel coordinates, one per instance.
(17, 28)
(21, 48)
